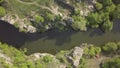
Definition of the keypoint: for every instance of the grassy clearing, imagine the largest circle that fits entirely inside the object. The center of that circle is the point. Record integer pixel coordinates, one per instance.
(23, 9)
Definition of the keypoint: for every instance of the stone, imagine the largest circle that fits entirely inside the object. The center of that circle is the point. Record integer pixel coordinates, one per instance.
(75, 56)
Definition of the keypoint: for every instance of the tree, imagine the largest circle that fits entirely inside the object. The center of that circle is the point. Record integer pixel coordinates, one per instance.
(98, 6)
(116, 1)
(110, 47)
(94, 19)
(47, 58)
(49, 16)
(97, 50)
(110, 8)
(118, 44)
(38, 19)
(92, 51)
(112, 63)
(107, 25)
(116, 13)
(107, 2)
(79, 23)
(1, 1)
(2, 11)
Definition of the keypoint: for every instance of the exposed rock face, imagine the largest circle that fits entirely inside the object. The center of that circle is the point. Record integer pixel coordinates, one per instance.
(75, 56)
(54, 64)
(21, 22)
(37, 56)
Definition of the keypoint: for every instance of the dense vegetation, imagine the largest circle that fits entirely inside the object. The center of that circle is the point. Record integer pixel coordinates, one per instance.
(113, 63)
(18, 59)
(42, 16)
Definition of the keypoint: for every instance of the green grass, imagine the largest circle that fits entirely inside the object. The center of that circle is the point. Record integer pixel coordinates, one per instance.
(23, 9)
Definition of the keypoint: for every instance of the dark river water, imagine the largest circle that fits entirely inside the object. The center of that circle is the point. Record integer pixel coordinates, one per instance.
(53, 41)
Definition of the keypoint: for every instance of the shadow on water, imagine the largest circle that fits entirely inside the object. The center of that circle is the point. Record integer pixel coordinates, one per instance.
(116, 27)
(59, 36)
(95, 32)
(11, 35)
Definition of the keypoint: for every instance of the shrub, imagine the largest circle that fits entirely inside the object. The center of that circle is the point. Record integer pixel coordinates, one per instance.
(91, 51)
(79, 23)
(94, 19)
(2, 11)
(116, 13)
(38, 19)
(107, 2)
(98, 6)
(110, 47)
(47, 58)
(107, 26)
(1, 1)
(61, 56)
(113, 63)
(49, 16)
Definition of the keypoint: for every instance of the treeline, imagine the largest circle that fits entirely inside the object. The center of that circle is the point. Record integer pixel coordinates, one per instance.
(20, 60)
(102, 17)
(2, 9)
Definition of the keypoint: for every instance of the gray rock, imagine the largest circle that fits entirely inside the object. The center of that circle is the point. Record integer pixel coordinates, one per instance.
(75, 56)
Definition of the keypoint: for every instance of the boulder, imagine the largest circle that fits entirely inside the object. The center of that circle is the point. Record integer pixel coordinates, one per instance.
(75, 56)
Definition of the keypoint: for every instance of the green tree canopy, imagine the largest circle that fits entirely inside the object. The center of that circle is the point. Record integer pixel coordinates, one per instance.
(107, 2)
(2, 11)
(112, 63)
(1, 1)
(110, 47)
(110, 8)
(98, 6)
(49, 16)
(92, 51)
(116, 1)
(107, 25)
(116, 13)
(38, 19)
(94, 19)
(79, 23)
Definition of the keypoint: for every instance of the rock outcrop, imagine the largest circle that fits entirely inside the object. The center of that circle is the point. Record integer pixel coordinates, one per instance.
(75, 56)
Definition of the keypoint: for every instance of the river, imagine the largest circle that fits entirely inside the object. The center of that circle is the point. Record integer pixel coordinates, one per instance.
(54, 40)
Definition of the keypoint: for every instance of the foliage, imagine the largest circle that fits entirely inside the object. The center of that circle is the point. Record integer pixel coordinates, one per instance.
(116, 13)
(2, 11)
(1, 1)
(113, 63)
(38, 19)
(47, 58)
(118, 44)
(107, 25)
(110, 47)
(116, 1)
(79, 23)
(98, 6)
(82, 63)
(18, 58)
(107, 2)
(105, 16)
(94, 19)
(49, 16)
(109, 8)
(92, 51)
(61, 56)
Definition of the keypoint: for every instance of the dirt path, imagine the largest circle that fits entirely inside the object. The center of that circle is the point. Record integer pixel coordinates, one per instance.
(29, 3)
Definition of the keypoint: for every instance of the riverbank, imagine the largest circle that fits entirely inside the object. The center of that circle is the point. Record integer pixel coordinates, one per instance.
(85, 55)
